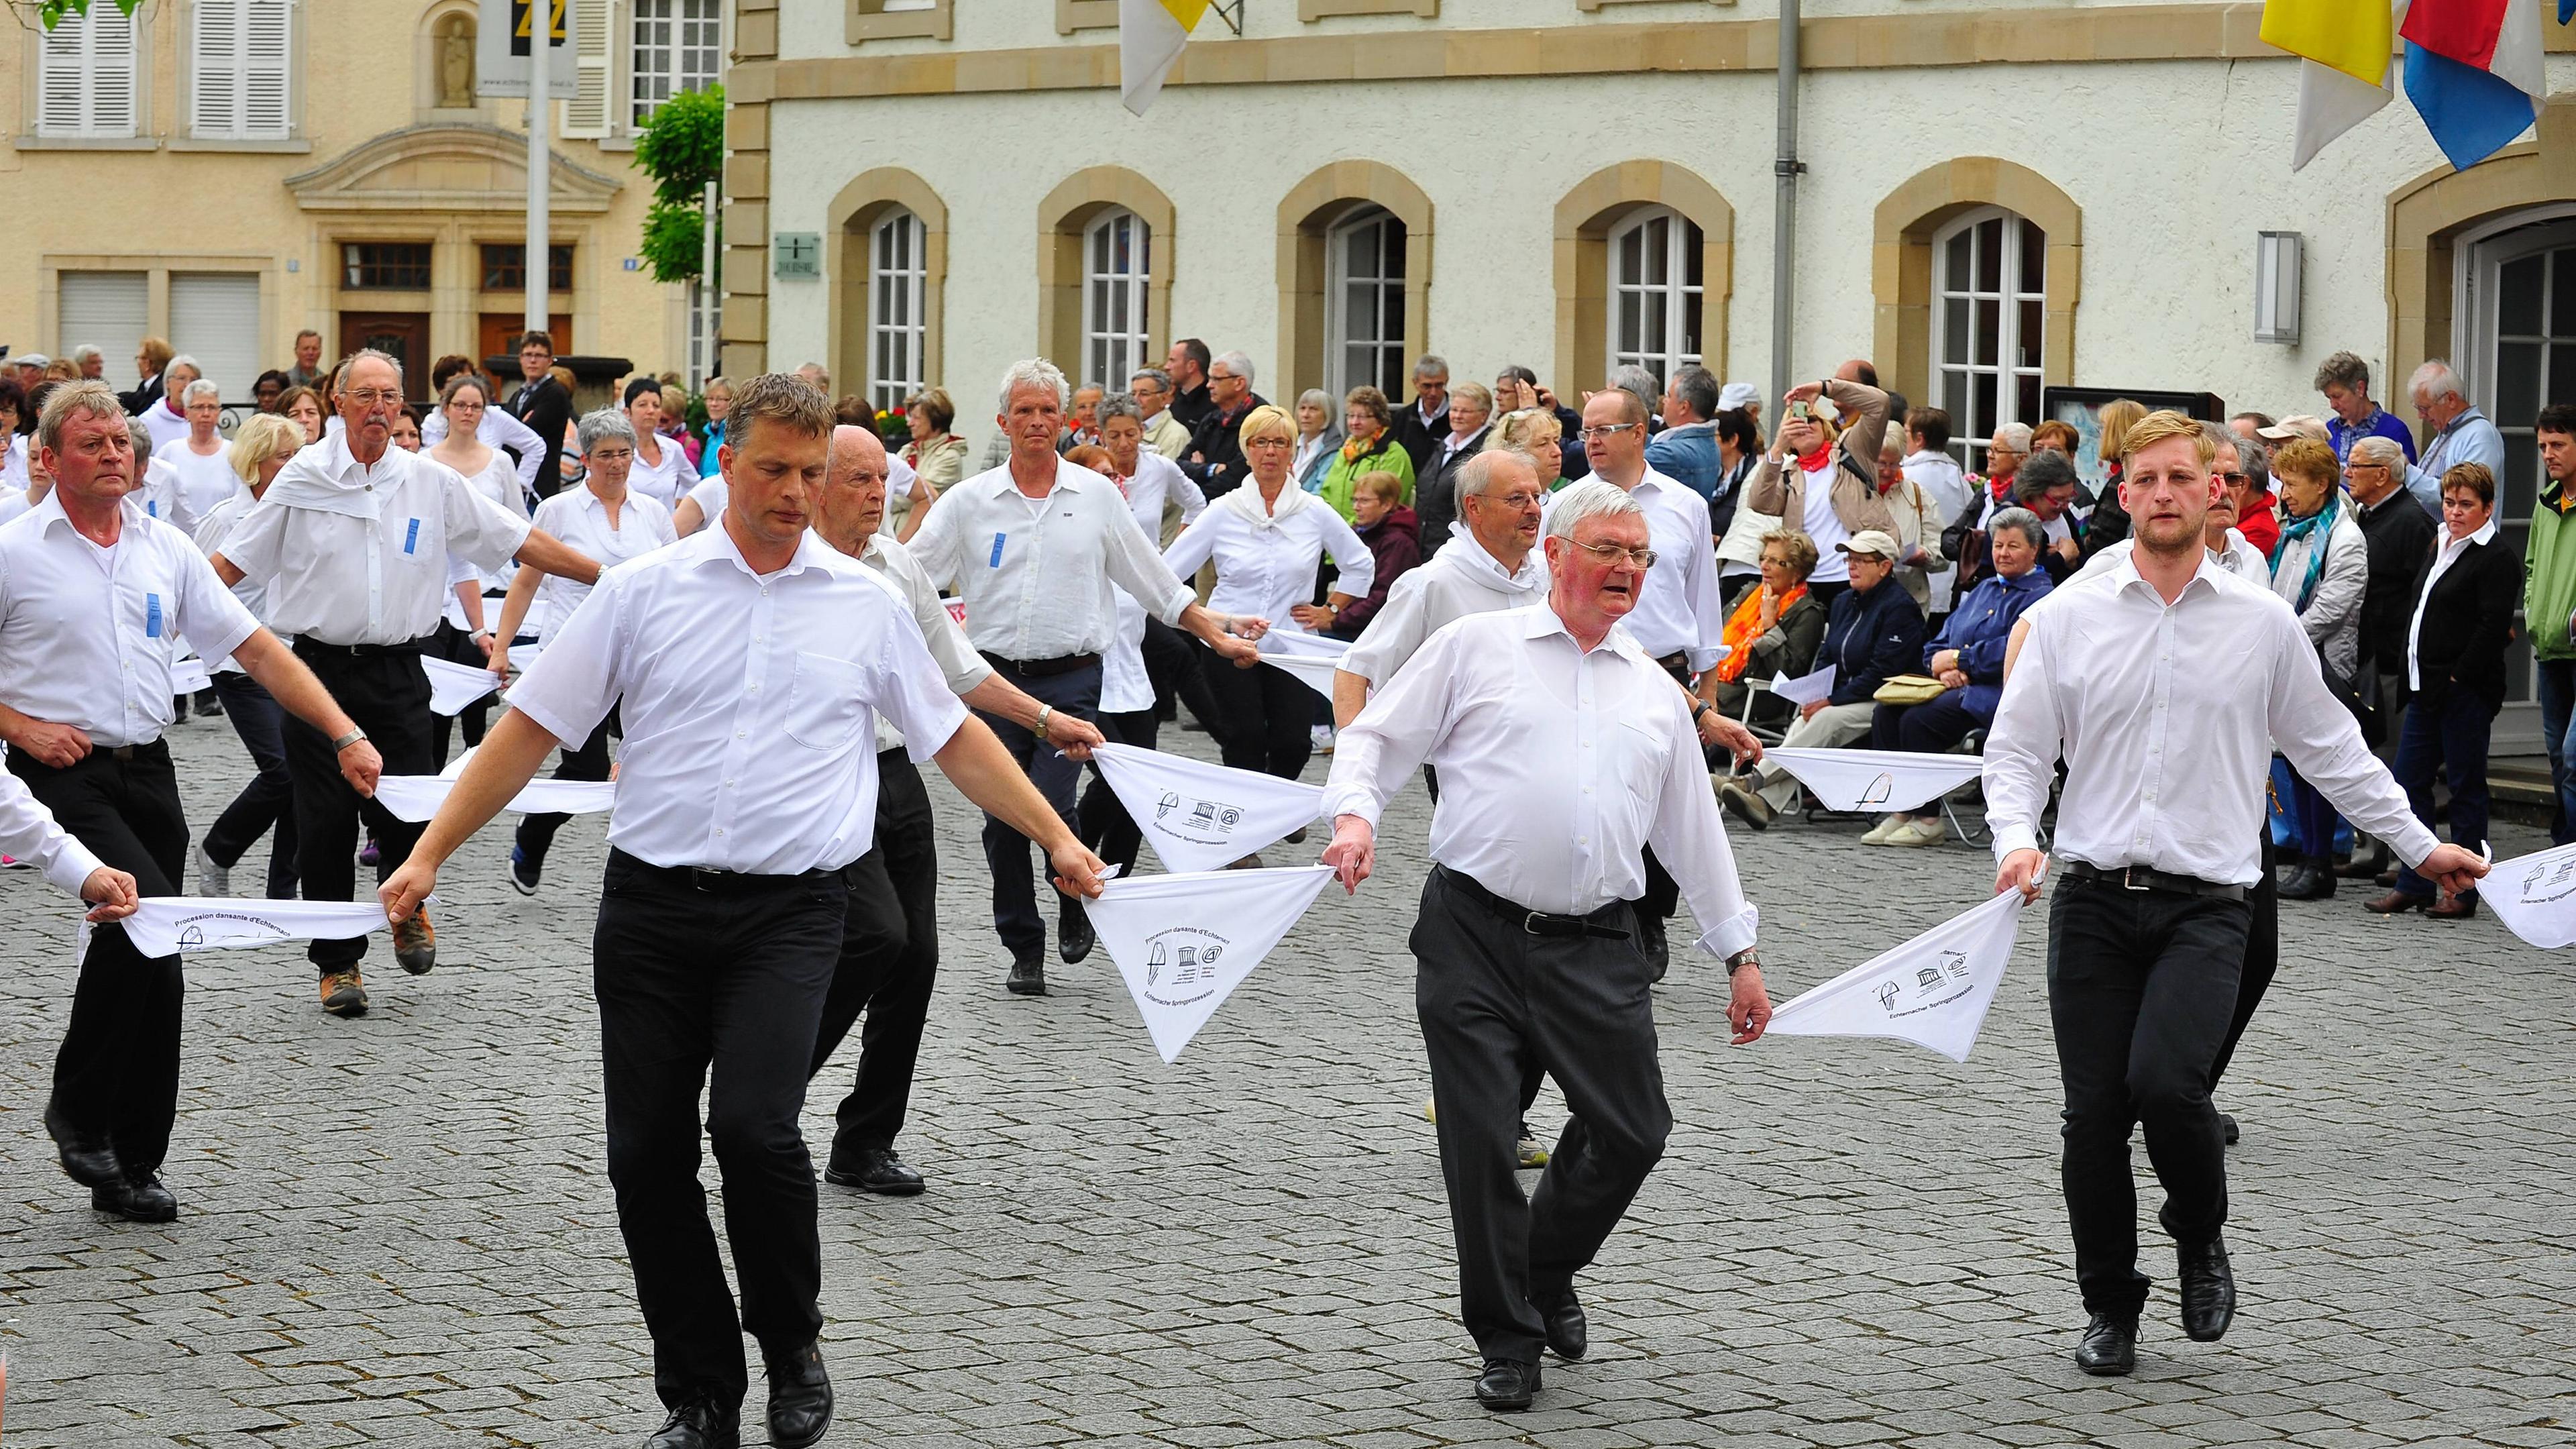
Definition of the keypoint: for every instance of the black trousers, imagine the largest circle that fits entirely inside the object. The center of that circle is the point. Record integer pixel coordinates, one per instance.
(1103, 819)
(588, 761)
(716, 991)
(388, 695)
(2141, 990)
(1264, 717)
(1006, 851)
(117, 1071)
(268, 801)
(1496, 1005)
(457, 647)
(1172, 663)
(2262, 958)
(889, 961)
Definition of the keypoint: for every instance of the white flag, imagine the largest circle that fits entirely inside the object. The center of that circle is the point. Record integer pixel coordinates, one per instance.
(453, 686)
(2331, 103)
(162, 925)
(188, 676)
(1806, 688)
(1933, 990)
(1875, 779)
(1151, 34)
(417, 797)
(2535, 896)
(1204, 817)
(1313, 670)
(1184, 942)
(1297, 641)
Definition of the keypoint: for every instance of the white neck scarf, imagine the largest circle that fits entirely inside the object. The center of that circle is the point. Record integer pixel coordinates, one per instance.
(1248, 502)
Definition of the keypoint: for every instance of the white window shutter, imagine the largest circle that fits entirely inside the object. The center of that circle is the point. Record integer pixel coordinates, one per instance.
(216, 37)
(268, 55)
(111, 71)
(62, 79)
(594, 37)
(85, 75)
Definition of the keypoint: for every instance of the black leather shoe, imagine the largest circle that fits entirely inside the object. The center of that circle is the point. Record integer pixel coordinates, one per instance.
(800, 1397)
(1568, 1335)
(2208, 1290)
(2307, 881)
(1073, 938)
(2109, 1347)
(874, 1169)
(2227, 1128)
(1650, 939)
(137, 1200)
(1028, 976)
(88, 1159)
(2365, 867)
(699, 1424)
(1506, 1385)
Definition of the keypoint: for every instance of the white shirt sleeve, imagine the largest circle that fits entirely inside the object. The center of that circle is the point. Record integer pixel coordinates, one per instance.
(572, 684)
(934, 546)
(1350, 555)
(478, 528)
(2323, 742)
(2022, 748)
(1707, 601)
(1192, 549)
(1136, 566)
(900, 687)
(957, 658)
(1184, 491)
(509, 432)
(214, 621)
(28, 831)
(1392, 737)
(1392, 637)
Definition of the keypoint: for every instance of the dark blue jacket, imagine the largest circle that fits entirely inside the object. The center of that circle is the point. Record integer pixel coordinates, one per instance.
(1871, 638)
(1980, 628)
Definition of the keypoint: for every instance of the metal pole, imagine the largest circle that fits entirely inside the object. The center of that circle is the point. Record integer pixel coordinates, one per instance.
(540, 156)
(1784, 217)
(707, 287)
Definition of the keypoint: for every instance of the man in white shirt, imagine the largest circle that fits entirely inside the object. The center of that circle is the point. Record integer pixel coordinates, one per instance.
(94, 595)
(2164, 686)
(1032, 547)
(890, 945)
(353, 542)
(749, 662)
(1493, 563)
(1566, 750)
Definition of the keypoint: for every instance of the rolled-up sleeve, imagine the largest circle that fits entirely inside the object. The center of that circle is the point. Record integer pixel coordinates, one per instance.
(478, 528)
(29, 831)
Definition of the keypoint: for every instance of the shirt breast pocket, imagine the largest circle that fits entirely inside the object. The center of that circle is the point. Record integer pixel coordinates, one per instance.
(824, 706)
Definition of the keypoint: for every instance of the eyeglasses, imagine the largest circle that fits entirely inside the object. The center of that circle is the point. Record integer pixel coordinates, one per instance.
(462, 406)
(2357, 467)
(1267, 442)
(1606, 430)
(1515, 501)
(2231, 477)
(1611, 553)
(367, 397)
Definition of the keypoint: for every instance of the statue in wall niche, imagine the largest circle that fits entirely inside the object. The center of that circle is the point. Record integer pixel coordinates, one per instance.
(456, 64)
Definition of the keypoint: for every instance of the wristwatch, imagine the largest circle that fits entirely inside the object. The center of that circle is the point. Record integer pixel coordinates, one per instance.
(1045, 712)
(1698, 708)
(354, 735)
(1746, 957)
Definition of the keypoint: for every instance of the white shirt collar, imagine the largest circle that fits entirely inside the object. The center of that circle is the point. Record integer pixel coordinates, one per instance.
(2486, 533)
(1069, 477)
(1541, 619)
(715, 542)
(2126, 574)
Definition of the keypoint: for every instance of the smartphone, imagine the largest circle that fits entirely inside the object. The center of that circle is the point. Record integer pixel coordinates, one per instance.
(1800, 412)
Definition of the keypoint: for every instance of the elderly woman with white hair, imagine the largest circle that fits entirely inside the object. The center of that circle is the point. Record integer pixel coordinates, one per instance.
(1319, 437)
(167, 415)
(201, 458)
(604, 520)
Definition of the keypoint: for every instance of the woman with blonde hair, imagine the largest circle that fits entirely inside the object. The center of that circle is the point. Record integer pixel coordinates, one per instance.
(1535, 434)
(259, 449)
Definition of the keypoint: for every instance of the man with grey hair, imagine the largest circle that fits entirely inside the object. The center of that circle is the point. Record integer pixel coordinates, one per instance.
(1435, 493)
(1524, 945)
(1216, 461)
(1033, 548)
(91, 361)
(1635, 378)
(1151, 388)
(352, 541)
(2345, 380)
(2461, 434)
(1493, 564)
(1686, 450)
(1423, 422)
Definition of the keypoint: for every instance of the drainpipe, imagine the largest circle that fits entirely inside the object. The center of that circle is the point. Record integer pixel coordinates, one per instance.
(1784, 210)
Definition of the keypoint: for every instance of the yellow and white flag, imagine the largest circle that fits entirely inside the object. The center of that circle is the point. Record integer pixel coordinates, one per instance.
(2347, 48)
(1150, 36)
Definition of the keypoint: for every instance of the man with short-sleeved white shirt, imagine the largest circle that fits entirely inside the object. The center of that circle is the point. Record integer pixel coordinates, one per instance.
(750, 662)
(353, 541)
(94, 594)
(1033, 548)
(1492, 563)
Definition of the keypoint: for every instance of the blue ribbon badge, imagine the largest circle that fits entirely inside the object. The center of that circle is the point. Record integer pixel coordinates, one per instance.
(411, 538)
(151, 616)
(996, 560)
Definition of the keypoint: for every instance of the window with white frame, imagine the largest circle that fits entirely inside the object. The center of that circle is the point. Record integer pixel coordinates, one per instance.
(239, 58)
(1364, 302)
(678, 44)
(1117, 251)
(86, 76)
(1657, 257)
(898, 332)
(1989, 310)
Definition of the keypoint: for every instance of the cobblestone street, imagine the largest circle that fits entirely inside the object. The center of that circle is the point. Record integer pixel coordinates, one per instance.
(399, 1229)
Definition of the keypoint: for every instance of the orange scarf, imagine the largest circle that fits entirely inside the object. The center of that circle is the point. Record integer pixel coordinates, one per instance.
(1744, 626)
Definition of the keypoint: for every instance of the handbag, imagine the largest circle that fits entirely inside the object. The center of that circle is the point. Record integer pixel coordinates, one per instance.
(1910, 689)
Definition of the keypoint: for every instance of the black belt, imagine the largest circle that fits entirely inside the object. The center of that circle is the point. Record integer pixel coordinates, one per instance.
(2140, 878)
(715, 882)
(1040, 668)
(307, 645)
(1537, 923)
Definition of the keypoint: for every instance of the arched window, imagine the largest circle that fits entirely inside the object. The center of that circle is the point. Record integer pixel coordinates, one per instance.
(898, 327)
(1989, 276)
(1656, 282)
(1364, 302)
(1117, 250)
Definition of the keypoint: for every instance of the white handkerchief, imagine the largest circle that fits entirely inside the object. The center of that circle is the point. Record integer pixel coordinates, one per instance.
(453, 686)
(162, 925)
(188, 676)
(1184, 942)
(1875, 779)
(1298, 641)
(2535, 896)
(1806, 688)
(456, 768)
(1204, 817)
(1933, 990)
(417, 797)
(1315, 671)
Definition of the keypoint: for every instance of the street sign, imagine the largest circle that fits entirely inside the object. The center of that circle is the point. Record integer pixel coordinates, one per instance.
(509, 33)
(797, 254)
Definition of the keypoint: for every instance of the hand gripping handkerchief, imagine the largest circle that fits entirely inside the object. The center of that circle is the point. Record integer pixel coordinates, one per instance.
(1201, 816)
(453, 686)
(1875, 779)
(1806, 689)
(163, 925)
(1184, 942)
(189, 676)
(1933, 990)
(2535, 896)
(417, 797)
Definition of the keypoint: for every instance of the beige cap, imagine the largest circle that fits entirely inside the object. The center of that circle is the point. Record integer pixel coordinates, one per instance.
(2300, 425)
(1877, 542)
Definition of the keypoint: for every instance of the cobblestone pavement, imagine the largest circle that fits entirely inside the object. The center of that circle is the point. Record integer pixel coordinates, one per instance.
(398, 1230)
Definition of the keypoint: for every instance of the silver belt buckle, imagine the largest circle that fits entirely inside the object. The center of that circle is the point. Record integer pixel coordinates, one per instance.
(2126, 883)
(1529, 922)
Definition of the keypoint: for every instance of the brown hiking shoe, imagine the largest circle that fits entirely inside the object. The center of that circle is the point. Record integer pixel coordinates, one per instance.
(415, 944)
(343, 994)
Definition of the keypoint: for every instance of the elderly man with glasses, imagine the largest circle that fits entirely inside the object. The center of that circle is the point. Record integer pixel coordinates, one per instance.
(2398, 539)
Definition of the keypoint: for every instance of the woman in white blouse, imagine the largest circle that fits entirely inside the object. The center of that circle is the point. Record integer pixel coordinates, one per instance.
(1267, 539)
(661, 470)
(611, 523)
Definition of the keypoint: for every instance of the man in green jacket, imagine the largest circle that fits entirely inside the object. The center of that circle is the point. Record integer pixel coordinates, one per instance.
(2549, 601)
